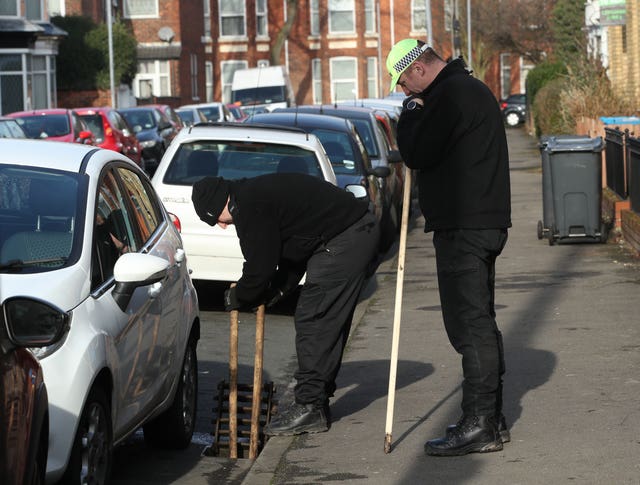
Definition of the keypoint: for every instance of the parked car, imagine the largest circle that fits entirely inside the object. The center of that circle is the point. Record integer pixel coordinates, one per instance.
(212, 111)
(169, 112)
(349, 158)
(230, 150)
(514, 109)
(24, 403)
(154, 132)
(9, 128)
(378, 147)
(191, 116)
(237, 112)
(87, 244)
(54, 125)
(112, 131)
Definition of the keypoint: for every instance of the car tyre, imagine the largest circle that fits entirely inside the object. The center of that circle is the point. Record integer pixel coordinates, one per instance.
(512, 119)
(173, 429)
(91, 454)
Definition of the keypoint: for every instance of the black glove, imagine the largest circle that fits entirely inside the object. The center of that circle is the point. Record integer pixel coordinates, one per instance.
(230, 300)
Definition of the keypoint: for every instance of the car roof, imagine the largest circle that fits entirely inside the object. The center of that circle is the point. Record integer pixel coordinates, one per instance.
(330, 109)
(93, 109)
(233, 130)
(49, 154)
(35, 112)
(304, 120)
(140, 108)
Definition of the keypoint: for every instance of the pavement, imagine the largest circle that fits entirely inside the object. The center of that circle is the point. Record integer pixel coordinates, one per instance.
(569, 318)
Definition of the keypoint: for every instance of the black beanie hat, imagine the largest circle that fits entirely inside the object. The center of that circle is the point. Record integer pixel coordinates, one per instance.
(209, 197)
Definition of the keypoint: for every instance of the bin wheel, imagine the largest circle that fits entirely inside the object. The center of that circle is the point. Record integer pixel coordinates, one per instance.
(540, 230)
(551, 235)
(604, 233)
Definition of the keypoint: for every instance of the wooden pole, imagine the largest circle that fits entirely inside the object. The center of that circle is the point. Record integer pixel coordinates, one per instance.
(233, 385)
(406, 202)
(256, 404)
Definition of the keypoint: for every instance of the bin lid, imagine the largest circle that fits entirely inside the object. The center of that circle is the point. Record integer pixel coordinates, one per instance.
(620, 120)
(574, 143)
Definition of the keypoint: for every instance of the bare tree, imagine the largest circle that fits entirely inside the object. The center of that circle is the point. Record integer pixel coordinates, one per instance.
(518, 26)
(283, 33)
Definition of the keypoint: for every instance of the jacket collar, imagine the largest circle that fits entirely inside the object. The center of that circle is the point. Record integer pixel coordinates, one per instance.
(455, 67)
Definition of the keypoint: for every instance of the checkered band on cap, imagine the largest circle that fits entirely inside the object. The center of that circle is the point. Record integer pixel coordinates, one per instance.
(406, 60)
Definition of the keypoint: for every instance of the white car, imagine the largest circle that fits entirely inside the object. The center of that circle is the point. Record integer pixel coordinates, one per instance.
(232, 151)
(210, 111)
(87, 250)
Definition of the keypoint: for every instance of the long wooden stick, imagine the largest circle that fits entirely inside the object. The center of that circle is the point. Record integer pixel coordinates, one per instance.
(233, 385)
(406, 202)
(256, 405)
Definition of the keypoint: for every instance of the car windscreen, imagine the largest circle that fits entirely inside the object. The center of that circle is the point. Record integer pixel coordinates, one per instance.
(211, 113)
(11, 129)
(38, 212)
(365, 129)
(237, 159)
(259, 95)
(94, 122)
(139, 120)
(44, 126)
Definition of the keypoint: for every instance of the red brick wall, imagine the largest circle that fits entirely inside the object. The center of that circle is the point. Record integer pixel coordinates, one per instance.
(79, 99)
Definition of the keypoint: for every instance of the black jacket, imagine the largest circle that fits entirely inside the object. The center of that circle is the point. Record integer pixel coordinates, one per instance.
(280, 220)
(458, 144)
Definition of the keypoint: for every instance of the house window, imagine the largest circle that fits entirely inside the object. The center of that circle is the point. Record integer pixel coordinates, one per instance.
(194, 77)
(34, 10)
(372, 77)
(39, 77)
(208, 69)
(261, 18)
(370, 16)
(153, 79)
(314, 18)
(448, 15)
(227, 68)
(56, 7)
(342, 18)
(505, 75)
(232, 18)
(9, 8)
(11, 83)
(344, 82)
(140, 8)
(207, 18)
(316, 73)
(418, 16)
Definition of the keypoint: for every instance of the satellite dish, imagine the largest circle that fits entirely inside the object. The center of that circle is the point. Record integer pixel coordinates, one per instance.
(166, 34)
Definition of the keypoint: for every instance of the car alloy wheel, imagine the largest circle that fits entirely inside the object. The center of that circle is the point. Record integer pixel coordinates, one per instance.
(91, 455)
(512, 119)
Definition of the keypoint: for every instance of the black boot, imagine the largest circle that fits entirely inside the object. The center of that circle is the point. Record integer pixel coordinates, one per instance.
(472, 434)
(298, 419)
(503, 431)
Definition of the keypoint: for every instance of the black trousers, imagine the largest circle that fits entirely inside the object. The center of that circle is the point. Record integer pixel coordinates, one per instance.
(335, 275)
(465, 261)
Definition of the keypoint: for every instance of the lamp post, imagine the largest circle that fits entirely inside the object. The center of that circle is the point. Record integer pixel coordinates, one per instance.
(112, 88)
(469, 34)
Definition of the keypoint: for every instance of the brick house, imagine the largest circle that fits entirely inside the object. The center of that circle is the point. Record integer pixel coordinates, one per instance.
(335, 50)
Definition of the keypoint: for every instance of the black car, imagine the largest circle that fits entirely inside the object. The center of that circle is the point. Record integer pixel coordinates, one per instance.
(154, 132)
(514, 109)
(345, 149)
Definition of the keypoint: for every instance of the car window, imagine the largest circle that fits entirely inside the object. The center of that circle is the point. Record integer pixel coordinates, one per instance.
(38, 211)
(11, 129)
(186, 116)
(141, 198)
(212, 113)
(94, 122)
(234, 160)
(45, 126)
(140, 120)
(340, 151)
(113, 233)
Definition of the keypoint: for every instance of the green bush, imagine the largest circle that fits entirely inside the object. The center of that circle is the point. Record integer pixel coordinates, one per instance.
(550, 118)
(124, 54)
(541, 75)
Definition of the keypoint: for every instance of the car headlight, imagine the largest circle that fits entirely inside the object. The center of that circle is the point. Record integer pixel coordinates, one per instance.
(148, 143)
(35, 324)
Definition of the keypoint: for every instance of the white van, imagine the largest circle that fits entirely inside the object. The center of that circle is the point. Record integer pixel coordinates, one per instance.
(262, 89)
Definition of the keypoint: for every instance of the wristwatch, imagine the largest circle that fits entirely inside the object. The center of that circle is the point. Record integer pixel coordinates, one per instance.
(413, 104)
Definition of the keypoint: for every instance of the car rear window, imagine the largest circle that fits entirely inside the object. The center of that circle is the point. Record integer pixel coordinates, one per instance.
(44, 126)
(234, 160)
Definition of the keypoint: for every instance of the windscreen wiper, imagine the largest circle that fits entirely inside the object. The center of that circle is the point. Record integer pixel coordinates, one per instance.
(19, 263)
